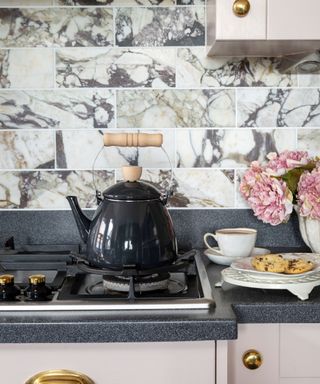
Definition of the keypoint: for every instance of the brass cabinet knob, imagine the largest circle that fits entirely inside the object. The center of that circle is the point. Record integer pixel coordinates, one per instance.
(252, 359)
(241, 8)
(59, 376)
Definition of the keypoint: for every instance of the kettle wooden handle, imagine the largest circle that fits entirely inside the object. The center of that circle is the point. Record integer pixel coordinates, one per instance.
(132, 139)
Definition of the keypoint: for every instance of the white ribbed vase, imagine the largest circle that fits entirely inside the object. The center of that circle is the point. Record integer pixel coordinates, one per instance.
(310, 232)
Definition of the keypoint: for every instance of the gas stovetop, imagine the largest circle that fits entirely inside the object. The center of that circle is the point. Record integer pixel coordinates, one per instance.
(68, 288)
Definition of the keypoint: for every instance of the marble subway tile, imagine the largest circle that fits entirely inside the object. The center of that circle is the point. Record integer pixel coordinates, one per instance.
(309, 80)
(278, 107)
(230, 148)
(190, 2)
(195, 188)
(48, 189)
(36, 27)
(26, 68)
(154, 26)
(15, 3)
(26, 149)
(118, 3)
(69, 156)
(81, 109)
(195, 69)
(175, 108)
(116, 67)
(309, 140)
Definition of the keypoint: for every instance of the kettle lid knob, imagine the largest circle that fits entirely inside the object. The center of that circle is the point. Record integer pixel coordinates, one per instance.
(131, 173)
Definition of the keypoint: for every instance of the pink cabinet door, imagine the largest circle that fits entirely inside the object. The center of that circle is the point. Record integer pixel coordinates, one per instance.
(293, 20)
(263, 338)
(114, 363)
(299, 353)
(231, 27)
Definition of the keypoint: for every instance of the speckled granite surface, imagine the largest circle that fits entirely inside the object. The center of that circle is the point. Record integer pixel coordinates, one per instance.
(233, 304)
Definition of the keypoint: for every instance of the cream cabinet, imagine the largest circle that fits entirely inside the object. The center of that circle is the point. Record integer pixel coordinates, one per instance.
(293, 20)
(289, 354)
(230, 27)
(264, 28)
(263, 339)
(114, 363)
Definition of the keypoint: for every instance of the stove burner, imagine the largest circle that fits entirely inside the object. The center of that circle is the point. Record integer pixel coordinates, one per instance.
(155, 282)
(172, 285)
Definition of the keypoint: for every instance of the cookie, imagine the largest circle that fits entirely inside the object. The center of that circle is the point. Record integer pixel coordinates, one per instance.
(270, 263)
(298, 265)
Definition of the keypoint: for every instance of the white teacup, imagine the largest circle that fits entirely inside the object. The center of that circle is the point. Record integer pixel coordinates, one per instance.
(233, 242)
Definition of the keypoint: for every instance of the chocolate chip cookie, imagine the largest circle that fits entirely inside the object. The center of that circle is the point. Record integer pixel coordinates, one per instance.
(270, 263)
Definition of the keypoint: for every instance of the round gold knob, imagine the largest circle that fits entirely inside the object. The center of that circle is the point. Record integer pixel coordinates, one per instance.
(241, 8)
(6, 279)
(37, 279)
(252, 359)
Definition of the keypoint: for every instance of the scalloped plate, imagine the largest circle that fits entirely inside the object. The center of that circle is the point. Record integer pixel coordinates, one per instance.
(244, 265)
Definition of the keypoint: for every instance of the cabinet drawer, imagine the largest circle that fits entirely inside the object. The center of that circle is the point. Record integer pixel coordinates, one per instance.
(299, 351)
(134, 363)
(231, 27)
(263, 338)
(294, 19)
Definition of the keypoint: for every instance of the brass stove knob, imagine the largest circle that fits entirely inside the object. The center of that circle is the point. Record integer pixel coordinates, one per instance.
(37, 279)
(252, 359)
(6, 279)
(241, 8)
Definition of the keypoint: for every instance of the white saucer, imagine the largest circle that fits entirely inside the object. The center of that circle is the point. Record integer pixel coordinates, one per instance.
(215, 257)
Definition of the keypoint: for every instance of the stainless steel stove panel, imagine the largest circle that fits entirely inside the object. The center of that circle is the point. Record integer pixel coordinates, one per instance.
(204, 299)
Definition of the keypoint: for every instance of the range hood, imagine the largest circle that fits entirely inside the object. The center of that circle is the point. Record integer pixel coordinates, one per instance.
(262, 27)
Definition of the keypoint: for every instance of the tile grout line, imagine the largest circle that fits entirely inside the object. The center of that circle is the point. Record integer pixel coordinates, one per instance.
(54, 133)
(54, 69)
(235, 188)
(236, 107)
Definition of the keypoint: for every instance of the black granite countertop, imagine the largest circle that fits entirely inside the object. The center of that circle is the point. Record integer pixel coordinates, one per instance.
(233, 305)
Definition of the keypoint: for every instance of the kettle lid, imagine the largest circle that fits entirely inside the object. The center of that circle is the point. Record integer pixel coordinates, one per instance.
(136, 190)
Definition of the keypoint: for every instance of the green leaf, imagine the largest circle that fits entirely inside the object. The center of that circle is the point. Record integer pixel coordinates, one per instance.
(292, 177)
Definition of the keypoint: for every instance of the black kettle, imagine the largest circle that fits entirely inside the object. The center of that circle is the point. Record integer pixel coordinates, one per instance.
(131, 227)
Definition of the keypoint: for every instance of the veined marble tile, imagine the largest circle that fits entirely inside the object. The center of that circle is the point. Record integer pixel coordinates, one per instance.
(190, 2)
(195, 188)
(91, 141)
(278, 107)
(25, 27)
(309, 80)
(195, 69)
(116, 67)
(175, 108)
(48, 189)
(15, 3)
(26, 68)
(309, 140)
(230, 148)
(160, 26)
(26, 149)
(57, 109)
(118, 3)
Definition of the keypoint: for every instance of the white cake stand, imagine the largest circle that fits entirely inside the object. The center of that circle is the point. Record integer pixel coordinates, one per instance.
(300, 286)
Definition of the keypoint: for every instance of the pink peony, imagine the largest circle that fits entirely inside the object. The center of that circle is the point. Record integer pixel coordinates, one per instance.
(271, 200)
(285, 161)
(309, 194)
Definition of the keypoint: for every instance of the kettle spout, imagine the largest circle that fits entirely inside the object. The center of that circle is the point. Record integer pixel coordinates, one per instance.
(83, 223)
